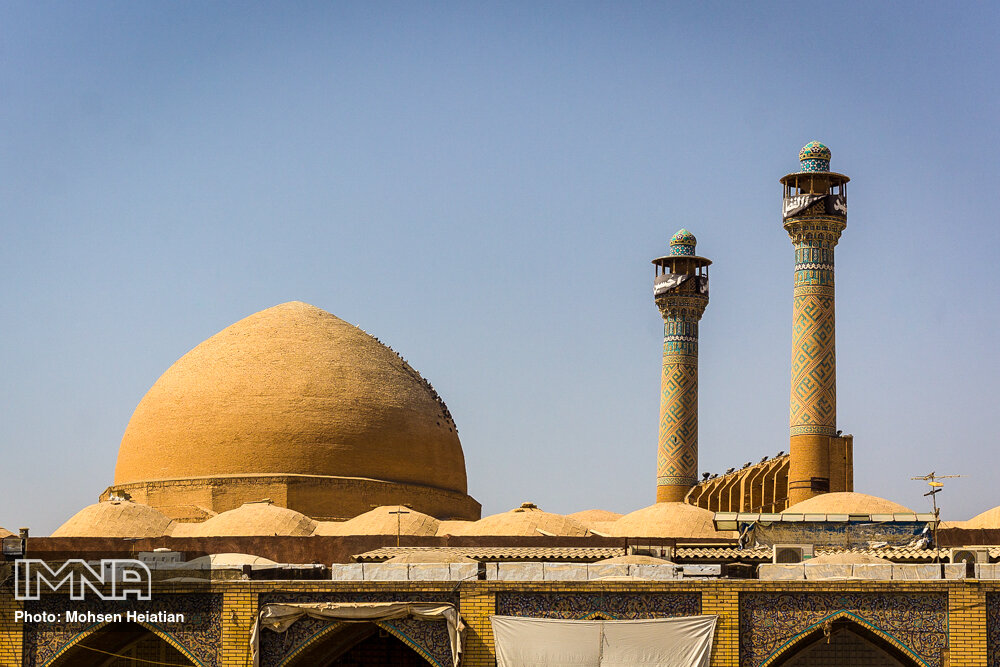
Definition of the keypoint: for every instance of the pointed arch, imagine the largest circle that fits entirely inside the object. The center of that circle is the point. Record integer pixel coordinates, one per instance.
(878, 637)
(342, 637)
(66, 652)
(600, 616)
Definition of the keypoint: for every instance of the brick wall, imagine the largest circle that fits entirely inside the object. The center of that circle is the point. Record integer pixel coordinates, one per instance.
(966, 630)
(10, 633)
(967, 625)
(239, 612)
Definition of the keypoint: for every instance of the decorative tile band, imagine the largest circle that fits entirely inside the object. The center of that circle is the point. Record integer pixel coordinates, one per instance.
(775, 625)
(813, 430)
(814, 267)
(815, 164)
(676, 481)
(614, 606)
(680, 339)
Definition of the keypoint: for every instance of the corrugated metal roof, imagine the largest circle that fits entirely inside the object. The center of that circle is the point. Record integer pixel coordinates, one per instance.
(583, 554)
(762, 554)
(680, 554)
(731, 520)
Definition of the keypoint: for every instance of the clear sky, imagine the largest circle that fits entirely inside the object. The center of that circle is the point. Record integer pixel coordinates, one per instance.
(482, 186)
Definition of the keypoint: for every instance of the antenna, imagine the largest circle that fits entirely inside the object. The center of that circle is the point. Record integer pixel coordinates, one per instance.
(399, 512)
(936, 486)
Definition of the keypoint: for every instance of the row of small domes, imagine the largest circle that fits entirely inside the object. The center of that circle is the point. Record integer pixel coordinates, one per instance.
(119, 519)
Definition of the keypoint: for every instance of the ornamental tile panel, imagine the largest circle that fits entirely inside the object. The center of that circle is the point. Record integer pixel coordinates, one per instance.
(773, 623)
(428, 638)
(614, 606)
(198, 637)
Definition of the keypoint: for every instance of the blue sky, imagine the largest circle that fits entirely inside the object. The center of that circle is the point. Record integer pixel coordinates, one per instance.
(482, 186)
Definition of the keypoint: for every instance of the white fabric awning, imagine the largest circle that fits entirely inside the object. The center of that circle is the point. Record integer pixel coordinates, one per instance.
(683, 641)
(279, 617)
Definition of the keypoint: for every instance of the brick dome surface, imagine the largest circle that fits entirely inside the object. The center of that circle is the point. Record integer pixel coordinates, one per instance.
(116, 518)
(674, 519)
(292, 390)
(594, 518)
(524, 521)
(988, 519)
(847, 502)
(380, 521)
(253, 519)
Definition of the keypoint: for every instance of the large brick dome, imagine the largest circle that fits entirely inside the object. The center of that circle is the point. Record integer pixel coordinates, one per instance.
(299, 406)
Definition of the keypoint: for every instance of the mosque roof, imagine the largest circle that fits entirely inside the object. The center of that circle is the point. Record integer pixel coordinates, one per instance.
(524, 521)
(453, 527)
(230, 560)
(379, 521)
(292, 390)
(839, 557)
(591, 518)
(261, 518)
(5, 533)
(678, 520)
(116, 518)
(431, 555)
(566, 554)
(847, 502)
(988, 519)
(636, 559)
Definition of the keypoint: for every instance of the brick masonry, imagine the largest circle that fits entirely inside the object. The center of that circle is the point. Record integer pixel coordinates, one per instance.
(967, 624)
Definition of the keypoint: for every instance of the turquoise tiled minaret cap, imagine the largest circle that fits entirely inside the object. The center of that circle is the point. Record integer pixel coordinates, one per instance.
(814, 156)
(682, 243)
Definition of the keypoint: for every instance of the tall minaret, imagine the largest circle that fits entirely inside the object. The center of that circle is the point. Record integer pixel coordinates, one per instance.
(815, 213)
(681, 293)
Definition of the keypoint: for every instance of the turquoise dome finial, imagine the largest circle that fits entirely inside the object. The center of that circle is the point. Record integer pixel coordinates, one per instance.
(814, 156)
(682, 243)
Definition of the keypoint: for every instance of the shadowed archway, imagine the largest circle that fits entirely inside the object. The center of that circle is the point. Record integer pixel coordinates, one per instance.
(844, 641)
(121, 645)
(357, 644)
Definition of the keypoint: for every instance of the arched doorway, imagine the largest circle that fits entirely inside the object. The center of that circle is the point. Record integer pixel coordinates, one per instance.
(844, 642)
(357, 645)
(121, 645)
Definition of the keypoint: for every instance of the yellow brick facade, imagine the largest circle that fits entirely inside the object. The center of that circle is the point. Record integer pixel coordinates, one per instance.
(965, 628)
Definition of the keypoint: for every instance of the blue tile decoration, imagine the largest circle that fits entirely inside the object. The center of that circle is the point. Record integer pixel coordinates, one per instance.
(773, 623)
(993, 629)
(608, 606)
(682, 243)
(199, 638)
(428, 638)
(814, 156)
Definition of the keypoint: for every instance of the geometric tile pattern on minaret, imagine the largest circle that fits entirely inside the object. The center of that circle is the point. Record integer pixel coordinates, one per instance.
(813, 403)
(681, 294)
(814, 213)
(677, 458)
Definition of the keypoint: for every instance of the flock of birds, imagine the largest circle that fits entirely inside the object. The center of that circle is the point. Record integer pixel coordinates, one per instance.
(706, 476)
(446, 413)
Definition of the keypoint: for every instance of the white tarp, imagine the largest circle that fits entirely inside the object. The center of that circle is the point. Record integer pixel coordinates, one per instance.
(279, 617)
(684, 641)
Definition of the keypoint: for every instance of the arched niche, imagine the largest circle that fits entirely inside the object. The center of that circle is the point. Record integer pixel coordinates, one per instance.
(360, 643)
(843, 639)
(113, 644)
